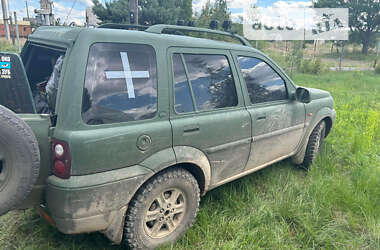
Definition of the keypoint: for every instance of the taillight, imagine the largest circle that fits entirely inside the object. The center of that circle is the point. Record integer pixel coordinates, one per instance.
(61, 159)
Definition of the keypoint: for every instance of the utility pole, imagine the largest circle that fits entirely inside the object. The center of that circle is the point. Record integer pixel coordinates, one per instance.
(341, 57)
(134, 11)
(27, 9)
(12, 30)
(5, 18)
(17, 34)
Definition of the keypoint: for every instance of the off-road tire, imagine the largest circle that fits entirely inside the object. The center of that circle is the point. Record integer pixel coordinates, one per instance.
(19, 158)
(135, 234)
(314, 144)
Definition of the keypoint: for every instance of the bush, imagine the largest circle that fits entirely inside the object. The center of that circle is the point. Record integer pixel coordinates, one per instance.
(311, 66)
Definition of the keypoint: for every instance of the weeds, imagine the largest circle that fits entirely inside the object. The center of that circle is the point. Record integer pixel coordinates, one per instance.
(7, 46)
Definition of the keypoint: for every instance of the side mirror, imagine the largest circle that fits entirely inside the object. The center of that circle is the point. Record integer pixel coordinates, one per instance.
(303, 95)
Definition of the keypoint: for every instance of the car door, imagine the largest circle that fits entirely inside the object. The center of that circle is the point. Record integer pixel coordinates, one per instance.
(15, 94)
(207, 109)
(277, 119)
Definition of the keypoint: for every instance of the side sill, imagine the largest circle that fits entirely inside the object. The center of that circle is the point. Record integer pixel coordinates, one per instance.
(249, 171)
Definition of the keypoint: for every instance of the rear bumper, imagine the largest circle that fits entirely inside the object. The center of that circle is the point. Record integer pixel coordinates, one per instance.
(92, 202)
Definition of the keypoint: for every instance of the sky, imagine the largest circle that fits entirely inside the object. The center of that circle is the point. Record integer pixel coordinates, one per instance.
(62, 8)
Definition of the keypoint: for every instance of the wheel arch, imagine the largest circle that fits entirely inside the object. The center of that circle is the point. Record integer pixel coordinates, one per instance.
(197, 163)
(189, 158)
(325, 115)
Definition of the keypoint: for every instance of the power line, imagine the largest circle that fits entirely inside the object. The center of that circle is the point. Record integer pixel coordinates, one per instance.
(67, 17)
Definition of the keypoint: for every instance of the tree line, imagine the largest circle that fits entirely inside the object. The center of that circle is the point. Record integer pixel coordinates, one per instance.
(364, 15)
(161, 12)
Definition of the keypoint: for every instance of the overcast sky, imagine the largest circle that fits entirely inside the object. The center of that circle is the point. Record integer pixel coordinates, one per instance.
(62, 8)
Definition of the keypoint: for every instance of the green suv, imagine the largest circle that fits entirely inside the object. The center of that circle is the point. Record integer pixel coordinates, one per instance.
(122, 131)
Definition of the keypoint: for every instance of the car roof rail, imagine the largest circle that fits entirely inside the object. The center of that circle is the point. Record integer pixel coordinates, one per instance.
(123, 26)
(160, 28)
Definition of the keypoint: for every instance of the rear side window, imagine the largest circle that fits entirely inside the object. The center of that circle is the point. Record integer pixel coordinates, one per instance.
(211, 82)
(263, 83)
(183, 101)
(121, 83)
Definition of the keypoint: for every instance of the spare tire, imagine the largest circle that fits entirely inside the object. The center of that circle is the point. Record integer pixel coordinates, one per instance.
(19, 160)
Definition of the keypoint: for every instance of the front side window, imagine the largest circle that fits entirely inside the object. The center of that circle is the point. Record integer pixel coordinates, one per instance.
(211, 80)
(263, 83)
(120, 84)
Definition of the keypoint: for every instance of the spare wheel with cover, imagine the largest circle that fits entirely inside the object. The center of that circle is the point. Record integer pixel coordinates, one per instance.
(19, 160)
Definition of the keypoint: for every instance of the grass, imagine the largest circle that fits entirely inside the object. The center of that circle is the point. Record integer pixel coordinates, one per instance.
(334, 205)
(7, 46)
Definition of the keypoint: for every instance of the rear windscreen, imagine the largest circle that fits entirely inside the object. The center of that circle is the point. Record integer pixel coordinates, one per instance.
(43, 68)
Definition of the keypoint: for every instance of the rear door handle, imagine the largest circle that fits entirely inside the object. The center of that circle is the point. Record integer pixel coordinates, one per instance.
(191, 128)
(263, 117)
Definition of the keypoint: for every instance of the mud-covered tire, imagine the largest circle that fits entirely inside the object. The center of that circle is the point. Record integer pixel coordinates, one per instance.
(314, 144)
(137, 229)
(19, 160)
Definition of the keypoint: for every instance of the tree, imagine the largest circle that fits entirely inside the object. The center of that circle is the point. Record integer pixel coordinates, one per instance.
(112, 12)
(364, 17)
(151, 11)
(165, 11)
(217, 11)
(186, 12)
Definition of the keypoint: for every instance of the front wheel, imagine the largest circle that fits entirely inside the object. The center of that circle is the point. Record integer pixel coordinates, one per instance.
(314, 144)
(162, 210)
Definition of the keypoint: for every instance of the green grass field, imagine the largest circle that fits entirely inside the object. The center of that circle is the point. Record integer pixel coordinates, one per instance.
(334, 205)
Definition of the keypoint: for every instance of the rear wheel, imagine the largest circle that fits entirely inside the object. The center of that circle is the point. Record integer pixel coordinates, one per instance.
(314, 144)
(19, 160)
(162, 210)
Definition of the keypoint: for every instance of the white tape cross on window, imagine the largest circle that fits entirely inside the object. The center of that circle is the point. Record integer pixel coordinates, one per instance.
(127, 74)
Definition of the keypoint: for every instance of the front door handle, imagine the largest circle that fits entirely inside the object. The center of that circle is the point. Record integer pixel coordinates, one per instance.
(191, 128)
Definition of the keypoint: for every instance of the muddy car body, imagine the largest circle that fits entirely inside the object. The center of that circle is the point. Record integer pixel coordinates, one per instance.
(129, 117)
